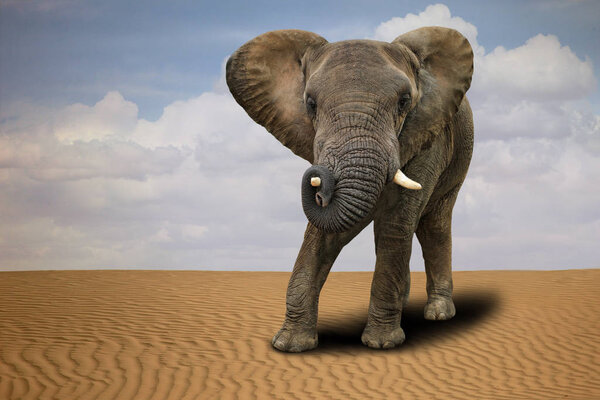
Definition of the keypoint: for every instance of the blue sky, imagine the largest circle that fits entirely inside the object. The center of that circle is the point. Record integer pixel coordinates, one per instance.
(155, 52)
(121, 147)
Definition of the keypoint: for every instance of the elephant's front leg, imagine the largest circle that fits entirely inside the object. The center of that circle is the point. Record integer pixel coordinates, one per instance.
(434, 233)
(317, 254)
(391, 283)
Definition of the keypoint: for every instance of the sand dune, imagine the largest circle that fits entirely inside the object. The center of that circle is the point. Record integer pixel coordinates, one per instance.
(206, 335)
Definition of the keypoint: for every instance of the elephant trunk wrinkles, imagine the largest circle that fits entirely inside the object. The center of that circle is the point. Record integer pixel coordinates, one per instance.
(353, 176)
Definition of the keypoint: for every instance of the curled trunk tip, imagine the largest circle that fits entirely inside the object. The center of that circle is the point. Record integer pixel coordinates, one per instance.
(336, 206)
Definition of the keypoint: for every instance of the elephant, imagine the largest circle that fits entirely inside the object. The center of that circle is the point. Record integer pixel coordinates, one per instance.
(388, 132)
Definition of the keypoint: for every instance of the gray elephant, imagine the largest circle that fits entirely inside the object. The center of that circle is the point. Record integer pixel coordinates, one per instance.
(367, 115)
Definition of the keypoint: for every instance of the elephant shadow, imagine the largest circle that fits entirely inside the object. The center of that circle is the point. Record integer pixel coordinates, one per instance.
(472, 308)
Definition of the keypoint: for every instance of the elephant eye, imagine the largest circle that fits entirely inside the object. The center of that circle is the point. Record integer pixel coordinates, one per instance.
(404, 103)
(311, 105)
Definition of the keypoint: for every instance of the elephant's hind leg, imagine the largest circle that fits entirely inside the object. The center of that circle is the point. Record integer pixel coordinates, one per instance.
(435, 235)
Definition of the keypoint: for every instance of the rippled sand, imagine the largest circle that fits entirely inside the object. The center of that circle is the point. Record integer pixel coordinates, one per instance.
(206, 335)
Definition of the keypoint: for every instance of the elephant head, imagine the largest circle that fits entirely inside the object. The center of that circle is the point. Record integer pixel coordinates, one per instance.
(357, 110)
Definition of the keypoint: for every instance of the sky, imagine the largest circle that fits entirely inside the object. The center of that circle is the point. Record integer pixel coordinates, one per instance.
(121, 147)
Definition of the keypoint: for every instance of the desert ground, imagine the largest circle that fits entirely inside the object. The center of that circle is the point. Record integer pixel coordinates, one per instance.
(206, 335)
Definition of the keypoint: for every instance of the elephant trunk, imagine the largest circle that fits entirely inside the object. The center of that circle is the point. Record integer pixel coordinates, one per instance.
(347, 187)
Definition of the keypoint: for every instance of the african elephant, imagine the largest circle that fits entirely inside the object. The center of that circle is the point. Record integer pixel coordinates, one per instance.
(361, 112)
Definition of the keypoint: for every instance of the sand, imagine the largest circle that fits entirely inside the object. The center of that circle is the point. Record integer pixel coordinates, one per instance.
(206, 335)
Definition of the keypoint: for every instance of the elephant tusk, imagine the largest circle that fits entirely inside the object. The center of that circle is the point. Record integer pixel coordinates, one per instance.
(315, 181)
(406, 182)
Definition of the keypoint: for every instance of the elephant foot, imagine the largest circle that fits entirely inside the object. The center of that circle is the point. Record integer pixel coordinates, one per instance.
(295, 340)
(382, 337)
(439, 308)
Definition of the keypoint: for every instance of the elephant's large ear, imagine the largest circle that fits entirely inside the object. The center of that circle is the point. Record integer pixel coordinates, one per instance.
(446, 68)
(265, 77)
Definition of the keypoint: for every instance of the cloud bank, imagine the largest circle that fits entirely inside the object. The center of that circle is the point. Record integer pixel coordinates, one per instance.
(205, 187)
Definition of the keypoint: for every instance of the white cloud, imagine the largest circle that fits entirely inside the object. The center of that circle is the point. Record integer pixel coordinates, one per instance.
(434, 15)
(204, 186)
(45, 159)
(111, 116)
(529, 203)
(521, 118)
(540, 70)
